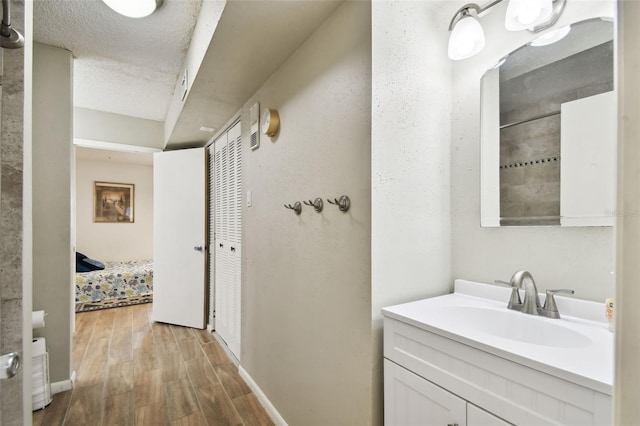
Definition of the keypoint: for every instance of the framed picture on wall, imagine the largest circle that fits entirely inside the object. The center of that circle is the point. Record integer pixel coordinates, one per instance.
(113, 202)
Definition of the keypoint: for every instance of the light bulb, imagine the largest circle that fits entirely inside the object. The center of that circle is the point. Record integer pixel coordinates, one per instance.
(133, 8)
(523, 14)
(467, 38)
(527, 15)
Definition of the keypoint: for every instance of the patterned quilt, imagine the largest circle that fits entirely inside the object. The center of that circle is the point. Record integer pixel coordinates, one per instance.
(118, 280)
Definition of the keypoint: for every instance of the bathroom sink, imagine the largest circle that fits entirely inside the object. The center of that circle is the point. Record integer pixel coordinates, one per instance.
(578, 347)
(513, 325)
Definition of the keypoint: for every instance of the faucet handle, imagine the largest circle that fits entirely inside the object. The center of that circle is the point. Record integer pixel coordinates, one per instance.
(515, 294)
(550, 302)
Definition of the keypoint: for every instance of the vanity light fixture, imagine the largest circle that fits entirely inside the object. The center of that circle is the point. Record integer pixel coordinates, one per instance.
(134, 8)
(467, 35)
(523, 14)
(551, 37)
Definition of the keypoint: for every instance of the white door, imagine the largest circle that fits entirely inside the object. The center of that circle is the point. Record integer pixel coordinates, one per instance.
(178, 237)
(411, 400)
(211, 217)
(228, 233)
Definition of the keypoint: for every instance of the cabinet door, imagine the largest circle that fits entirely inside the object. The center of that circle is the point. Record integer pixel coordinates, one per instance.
(478, 417)
(411, 400)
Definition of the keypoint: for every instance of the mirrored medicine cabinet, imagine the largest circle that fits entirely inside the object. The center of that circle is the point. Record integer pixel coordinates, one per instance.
(548, 131)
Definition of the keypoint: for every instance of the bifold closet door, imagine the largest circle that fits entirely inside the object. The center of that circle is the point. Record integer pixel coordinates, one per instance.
(179, 237)
(228, 233)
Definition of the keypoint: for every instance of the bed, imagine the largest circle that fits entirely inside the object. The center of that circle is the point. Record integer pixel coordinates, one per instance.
(118, 280)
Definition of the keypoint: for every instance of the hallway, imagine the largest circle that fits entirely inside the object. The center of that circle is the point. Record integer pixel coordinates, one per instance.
(131, 371)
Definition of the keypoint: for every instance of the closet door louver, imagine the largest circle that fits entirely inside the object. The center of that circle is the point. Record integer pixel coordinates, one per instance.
(228, 229)
(211, 233)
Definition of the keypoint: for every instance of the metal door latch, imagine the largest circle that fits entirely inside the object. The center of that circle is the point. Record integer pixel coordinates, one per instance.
(9, 365)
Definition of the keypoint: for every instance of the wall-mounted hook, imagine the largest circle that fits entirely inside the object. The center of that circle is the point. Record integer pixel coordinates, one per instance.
(317, 204)
(344, 203)
(296, 207)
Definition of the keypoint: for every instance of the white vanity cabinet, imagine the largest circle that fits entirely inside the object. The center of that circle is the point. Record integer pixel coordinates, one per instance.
(479, 417)
(437, 372)
(412, 400)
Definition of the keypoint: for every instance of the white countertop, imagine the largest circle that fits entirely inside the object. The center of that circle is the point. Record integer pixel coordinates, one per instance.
(589, 362)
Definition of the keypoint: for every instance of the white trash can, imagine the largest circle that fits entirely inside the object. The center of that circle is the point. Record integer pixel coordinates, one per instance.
(41, 386)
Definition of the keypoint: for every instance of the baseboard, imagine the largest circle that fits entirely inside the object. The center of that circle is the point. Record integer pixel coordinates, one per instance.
(226, 349)
(271, 410)
(64, 385)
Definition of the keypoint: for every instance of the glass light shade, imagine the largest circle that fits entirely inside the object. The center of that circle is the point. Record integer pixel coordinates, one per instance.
(467, 38)
(523, 14)
(133, 8)
(551, 37)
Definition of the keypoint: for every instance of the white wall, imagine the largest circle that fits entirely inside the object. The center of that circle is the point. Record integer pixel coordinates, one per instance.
(210, 13)
(306, 323)
(411, 230)
(577, 258)
(114, 241)
(103, 126)
(410, 161)
(27, 212)
(52, 196)
(627, 378)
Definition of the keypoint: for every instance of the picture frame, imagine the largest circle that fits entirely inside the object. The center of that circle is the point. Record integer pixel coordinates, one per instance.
(113, 202)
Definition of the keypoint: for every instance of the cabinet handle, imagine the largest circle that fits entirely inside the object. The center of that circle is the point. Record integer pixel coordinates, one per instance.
(233, 249)
(452, 424)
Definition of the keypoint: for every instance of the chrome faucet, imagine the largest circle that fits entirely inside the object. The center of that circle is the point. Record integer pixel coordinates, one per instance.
(531, 303)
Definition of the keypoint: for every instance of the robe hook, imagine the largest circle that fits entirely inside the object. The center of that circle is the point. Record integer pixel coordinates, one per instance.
(296, 207)
(344, 203)
(317, 204)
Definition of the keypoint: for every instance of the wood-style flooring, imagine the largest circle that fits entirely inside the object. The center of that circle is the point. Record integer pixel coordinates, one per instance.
(131, 371)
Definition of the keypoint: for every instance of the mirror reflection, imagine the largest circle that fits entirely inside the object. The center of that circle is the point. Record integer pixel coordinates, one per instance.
(549, 131)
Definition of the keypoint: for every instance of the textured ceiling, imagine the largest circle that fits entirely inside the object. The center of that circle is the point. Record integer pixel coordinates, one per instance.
(123, 65)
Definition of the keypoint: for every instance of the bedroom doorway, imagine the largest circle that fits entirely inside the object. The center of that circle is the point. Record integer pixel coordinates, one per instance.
(113, 227)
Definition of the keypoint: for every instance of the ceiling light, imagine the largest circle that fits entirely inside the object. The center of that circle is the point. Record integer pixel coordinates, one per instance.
(523, 14)
(467, 38)
(134, 8)
(551, 37)
(467, 35)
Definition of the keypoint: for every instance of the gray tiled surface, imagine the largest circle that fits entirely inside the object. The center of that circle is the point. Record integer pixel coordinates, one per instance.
(11, 340)
(530, 190)
(530, 194)
(542, 90)
(11, 206)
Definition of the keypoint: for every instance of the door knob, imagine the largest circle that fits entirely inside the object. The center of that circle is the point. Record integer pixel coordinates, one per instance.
(198, 248)
(9, 365)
